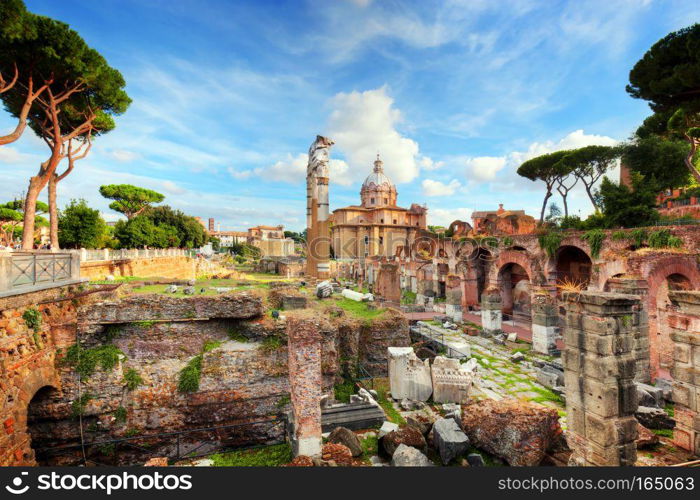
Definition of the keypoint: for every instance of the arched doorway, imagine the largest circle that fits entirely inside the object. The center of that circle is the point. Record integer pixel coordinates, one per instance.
(573, 266)
(514, 284)
(41, 422)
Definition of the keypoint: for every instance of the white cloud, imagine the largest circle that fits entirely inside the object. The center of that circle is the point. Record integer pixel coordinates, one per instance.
(446, 216)
(239, 174)
(427, 163)
(485, 168)
(123, 155)
(172, 188)
(437, 188)
(363, 124)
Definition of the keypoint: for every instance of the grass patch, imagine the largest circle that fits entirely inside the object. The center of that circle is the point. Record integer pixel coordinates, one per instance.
(667, 433)
(210, 345)
(132, 379)
(359, 309)
(270, 456)
(392, 414)
(408, 297)
(120, 415)
(370, 447)
(670, 410)
(190, 374)
(78, 406)
(343, 391)
(236, 335)
(270, 344)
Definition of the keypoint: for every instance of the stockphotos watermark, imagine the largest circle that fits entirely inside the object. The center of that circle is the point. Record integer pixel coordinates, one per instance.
(99, 483)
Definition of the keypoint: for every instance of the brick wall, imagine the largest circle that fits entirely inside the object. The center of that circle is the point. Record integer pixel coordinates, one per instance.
(160, 267)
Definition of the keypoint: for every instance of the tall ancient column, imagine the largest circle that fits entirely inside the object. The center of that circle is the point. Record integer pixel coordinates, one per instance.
(599, 365)
(305, 381)
(317, 209)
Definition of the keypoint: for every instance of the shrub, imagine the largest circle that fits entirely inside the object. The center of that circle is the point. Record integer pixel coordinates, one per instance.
(594, 238)
(78, 406)
(86, 361)
(132, 379)
(32, 317)
(550, 242)
(664, 239)
(189, 375)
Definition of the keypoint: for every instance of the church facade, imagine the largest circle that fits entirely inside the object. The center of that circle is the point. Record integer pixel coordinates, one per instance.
(377, 227)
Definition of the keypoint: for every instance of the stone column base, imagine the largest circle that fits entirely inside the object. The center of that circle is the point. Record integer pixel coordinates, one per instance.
(544, 338)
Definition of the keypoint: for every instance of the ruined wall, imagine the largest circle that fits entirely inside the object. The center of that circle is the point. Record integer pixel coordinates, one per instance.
(161, 267)
(243, 376)
(27, 359)
(685, 334)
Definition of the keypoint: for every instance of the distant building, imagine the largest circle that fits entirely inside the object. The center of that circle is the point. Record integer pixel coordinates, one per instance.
(230, 238)
(503, 222)
(378, 226)
(271, 241)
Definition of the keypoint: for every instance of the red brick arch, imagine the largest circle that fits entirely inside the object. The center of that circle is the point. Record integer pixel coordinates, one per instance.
(684, 265)
(656, 273)
(523, 259)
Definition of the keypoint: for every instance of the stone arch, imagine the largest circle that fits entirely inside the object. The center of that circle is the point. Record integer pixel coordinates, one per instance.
(682, 271)
(514, 284)
(40, 421)
(571, 262)
(523, 259)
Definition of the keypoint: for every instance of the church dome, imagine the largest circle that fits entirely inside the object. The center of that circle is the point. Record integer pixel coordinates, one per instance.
(378, 190)
(377, 177)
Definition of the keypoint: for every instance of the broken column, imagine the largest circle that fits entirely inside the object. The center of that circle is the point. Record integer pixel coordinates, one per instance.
(599, 363)
(685, 334)
(409, 377)
(491, 312)
(452, 381)
(545, 321)
(388, 286)
(453, 293)
(640, 288)
(304, 355)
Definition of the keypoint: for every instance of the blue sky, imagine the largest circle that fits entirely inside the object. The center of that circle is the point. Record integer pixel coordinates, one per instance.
(227, 96)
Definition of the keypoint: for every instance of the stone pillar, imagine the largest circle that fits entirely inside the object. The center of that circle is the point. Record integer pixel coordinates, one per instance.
(453, 303)
(545, 320)
(640, 288)
(601, 396)
(491, 312)
(304, 351)
(388, 286)
(471, 287)
(685, 334)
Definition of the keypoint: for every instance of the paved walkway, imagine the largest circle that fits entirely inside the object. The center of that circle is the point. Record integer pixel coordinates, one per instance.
(523, 331)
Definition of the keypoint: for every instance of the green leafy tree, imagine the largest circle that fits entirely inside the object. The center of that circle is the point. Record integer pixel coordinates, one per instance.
(660, 160)
(130, 200)
(80, 226)
(668, 77)
(17, 29)
(625, 207)
(138, 232)
(589, 164)
(547, 168)
(12, 215)
(82, 94)
(190, 233)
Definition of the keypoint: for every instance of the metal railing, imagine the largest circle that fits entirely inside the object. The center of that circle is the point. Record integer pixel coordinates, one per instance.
(179, 445)
(437, 340)
(92, 255)
(25, 270)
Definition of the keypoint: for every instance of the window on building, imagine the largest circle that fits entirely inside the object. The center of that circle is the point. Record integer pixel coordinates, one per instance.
(381, 240)
(382, 221)
(371, 200)
(394, 221)
(366, 240)
(386, 201)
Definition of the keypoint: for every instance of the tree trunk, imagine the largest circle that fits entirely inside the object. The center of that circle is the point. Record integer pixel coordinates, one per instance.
(566, 206)
(689, 160)
(53, 212)
(30, 212)
(544, 205)
(590, 196)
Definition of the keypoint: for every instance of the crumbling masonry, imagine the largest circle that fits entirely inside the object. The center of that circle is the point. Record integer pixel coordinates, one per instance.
(599, 376)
